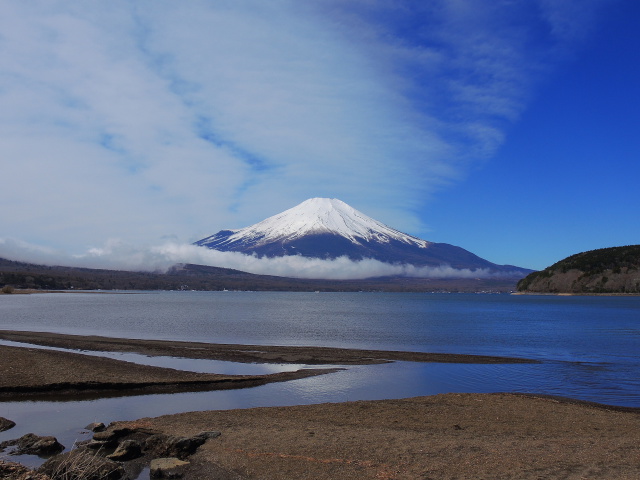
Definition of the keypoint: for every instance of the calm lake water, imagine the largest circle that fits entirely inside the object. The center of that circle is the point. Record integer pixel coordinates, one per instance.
(589, 346)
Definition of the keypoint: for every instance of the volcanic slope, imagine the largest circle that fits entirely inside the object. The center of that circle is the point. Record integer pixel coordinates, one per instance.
(329, 228)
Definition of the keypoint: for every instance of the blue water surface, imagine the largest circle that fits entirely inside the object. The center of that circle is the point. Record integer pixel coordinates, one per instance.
(588, 347)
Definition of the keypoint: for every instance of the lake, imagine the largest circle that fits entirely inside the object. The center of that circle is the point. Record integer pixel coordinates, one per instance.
(588, 346)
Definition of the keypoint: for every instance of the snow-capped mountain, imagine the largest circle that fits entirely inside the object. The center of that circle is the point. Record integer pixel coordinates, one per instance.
(312, 217)
(329, 228)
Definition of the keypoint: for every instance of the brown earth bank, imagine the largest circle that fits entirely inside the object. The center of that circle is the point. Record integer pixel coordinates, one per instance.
(244, 353)
(451, 436)
(33, 373)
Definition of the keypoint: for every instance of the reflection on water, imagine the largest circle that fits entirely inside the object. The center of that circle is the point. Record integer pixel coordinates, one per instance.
(189, 364)
(66, 420)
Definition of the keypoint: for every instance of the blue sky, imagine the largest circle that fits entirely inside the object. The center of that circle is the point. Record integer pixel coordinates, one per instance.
(565, 179)
(507, 128)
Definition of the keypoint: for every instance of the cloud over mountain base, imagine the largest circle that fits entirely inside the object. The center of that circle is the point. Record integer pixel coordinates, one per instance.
(117, 255)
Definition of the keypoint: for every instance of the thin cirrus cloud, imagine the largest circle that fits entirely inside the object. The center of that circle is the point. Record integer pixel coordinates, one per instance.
(146, 120)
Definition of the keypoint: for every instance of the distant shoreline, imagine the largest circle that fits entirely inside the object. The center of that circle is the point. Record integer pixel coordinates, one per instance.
(204, 278)
(30, 291)
(586, 294)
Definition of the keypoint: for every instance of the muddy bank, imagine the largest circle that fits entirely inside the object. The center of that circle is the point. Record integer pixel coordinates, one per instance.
(244, 353)
(34, 373)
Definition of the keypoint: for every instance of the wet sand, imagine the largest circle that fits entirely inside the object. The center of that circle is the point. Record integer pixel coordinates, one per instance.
(244, 353)
(29, 373)
(36, 373)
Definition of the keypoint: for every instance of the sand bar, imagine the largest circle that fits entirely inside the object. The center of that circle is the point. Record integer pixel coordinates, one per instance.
(29, 373)
(245, 353)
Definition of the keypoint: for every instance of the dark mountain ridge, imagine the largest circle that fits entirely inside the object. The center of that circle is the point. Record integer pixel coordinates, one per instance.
(23, 275)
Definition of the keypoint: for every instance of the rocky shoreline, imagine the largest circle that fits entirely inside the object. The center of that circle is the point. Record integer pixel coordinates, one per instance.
(115, 452)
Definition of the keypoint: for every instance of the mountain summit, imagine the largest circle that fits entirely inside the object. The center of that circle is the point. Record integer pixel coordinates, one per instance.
(328, 228)
(316, 216)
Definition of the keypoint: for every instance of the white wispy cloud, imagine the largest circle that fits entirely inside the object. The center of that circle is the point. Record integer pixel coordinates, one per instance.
(142, 120)
(115, 254)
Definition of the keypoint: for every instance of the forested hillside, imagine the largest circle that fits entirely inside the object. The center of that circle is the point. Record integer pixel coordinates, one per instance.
(612, 270)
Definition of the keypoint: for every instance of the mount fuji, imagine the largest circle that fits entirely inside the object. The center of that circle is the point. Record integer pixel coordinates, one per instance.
(328, 228)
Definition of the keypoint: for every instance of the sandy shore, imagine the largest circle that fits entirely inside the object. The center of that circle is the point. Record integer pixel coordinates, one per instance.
(452, 436)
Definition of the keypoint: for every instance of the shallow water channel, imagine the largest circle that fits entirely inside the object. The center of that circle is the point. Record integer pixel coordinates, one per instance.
(65, 419)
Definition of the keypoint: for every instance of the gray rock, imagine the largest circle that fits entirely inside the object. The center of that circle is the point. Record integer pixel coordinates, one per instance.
(127, 450)
(11, 470)
(32, 444)
(96, 427)
(208, 435)
(103, 436)
(185, 445)
(46, 446)
(180, 447)
(6, 424)
(167, 467)
(97, 444)
(81, 464)
(111, 434)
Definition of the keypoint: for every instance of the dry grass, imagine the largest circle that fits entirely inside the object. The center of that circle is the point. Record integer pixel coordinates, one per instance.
(82, 465)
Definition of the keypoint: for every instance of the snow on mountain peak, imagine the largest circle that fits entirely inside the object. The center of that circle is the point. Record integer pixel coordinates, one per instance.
(320, 216)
